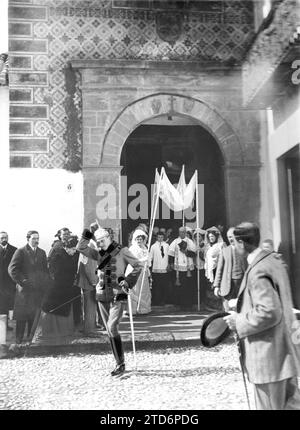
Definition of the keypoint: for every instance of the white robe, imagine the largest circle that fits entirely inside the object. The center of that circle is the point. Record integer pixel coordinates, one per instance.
(182, 263)
(136, 294)
(211, 259)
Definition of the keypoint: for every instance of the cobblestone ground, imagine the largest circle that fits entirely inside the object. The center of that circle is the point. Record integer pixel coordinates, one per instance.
(171, 378)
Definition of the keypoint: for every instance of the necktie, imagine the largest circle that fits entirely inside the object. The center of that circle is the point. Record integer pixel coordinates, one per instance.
(162, 251)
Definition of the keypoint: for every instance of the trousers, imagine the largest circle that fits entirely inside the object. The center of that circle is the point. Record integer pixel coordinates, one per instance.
(275, 396)
(111, 314)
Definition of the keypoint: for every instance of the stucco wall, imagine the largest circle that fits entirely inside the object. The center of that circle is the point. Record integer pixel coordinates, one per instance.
(39, 199)
(43, 200)
(280, 141)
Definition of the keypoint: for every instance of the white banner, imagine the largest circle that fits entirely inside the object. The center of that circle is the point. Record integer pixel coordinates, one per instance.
(180, 198)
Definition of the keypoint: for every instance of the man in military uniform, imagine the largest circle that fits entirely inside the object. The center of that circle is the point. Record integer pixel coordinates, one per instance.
(113, 286)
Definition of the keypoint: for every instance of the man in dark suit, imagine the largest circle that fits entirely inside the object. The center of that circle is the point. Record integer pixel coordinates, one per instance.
(28, 268)
(230, 271)
(7, 285)
(266, 325)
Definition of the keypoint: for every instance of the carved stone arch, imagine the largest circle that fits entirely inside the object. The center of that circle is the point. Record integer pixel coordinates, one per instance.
(135, 113)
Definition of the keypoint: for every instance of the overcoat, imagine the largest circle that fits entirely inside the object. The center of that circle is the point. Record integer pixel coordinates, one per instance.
(63, 269)
(30, 272)
(7, 285)
(266, 323)
(223, 277)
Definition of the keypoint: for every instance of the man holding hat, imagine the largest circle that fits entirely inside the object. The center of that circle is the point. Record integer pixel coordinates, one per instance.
(266, 326)
(113, 286)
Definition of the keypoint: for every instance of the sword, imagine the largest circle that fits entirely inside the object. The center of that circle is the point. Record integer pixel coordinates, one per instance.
(126, 290)
(132, 330)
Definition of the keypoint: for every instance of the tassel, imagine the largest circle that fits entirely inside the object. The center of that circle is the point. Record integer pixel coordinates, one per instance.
(100, 285)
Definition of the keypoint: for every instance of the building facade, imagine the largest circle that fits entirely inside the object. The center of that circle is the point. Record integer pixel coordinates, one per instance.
(94, 83)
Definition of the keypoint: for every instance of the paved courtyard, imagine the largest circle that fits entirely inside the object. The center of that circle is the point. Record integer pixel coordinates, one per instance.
(186, 376)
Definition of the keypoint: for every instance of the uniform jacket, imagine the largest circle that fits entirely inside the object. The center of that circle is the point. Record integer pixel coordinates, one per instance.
(114, 267)
(30, 273)
(223, 275)
(266, 322)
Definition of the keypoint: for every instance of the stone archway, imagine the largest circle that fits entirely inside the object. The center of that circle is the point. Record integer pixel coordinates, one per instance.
(162, 103)
(119, 95)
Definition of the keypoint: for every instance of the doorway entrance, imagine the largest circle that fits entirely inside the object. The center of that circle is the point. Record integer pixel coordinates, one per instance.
(170, 143)
(289, 199)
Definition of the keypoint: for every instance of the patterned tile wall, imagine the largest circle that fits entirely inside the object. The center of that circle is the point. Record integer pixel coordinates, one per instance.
(45, 34)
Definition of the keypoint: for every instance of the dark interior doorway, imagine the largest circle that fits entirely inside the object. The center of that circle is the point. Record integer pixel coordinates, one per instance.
(170, 146)
(289, 200)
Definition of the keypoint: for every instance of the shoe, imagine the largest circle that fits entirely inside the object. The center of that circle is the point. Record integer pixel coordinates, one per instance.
(119, 369)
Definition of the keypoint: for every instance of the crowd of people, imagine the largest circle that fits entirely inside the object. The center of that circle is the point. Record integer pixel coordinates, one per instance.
(171, 265)
(62, 286)
(85, 283)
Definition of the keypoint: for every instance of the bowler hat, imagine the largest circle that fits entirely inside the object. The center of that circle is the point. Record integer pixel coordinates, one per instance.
(214, 329)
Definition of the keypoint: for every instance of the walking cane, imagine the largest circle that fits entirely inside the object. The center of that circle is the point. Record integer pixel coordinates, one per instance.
(237, 341)
(132, 329)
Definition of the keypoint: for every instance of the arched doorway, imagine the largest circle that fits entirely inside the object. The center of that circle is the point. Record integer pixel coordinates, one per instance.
(103, 191)
(170, 141)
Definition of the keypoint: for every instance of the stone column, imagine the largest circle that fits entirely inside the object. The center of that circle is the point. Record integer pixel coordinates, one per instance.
(243, 194)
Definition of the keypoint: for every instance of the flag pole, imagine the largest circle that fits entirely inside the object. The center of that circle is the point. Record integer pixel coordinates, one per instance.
(183, 173)
(150, 237)
(197, 223)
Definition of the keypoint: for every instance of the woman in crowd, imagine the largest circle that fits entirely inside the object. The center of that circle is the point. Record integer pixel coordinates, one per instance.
(56, 325)
(214, 244)
(141, 293)
(62, 236)
(199, 261)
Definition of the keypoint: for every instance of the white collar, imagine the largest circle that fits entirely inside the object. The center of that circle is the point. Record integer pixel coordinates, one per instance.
(4, 247)
(252, 256)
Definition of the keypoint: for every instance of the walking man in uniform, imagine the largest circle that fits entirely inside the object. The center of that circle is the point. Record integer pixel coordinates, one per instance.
(113, 287)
